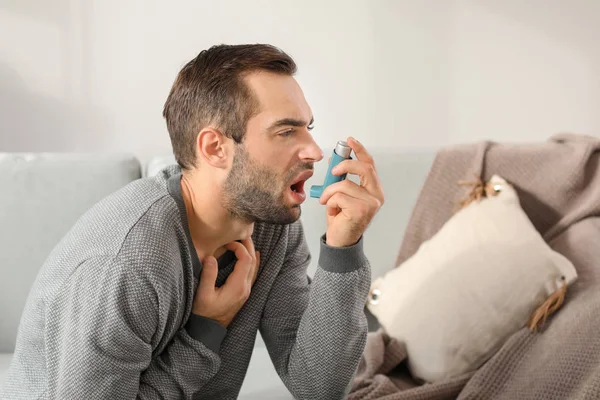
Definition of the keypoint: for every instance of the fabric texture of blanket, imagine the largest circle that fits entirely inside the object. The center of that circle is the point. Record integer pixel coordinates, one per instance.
(558, 182)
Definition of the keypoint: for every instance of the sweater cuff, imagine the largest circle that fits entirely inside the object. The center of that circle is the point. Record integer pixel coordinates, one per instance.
(207, 331)
(342, 259)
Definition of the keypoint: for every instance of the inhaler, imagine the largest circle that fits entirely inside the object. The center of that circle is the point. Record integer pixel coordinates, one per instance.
(341, 152)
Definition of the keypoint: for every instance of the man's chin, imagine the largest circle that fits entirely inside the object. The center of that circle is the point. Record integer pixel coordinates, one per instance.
(292, 215)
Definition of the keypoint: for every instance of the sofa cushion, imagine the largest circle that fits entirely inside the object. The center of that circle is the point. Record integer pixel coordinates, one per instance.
(42, 197)
(261, 381)
(466, 290)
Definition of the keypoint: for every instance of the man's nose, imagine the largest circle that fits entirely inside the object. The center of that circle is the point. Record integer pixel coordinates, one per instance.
(311, 152)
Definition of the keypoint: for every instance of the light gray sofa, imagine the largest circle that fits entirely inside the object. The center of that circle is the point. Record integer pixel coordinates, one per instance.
(44, 194)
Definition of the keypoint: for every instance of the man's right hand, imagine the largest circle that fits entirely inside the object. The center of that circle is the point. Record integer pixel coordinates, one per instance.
(223, 303)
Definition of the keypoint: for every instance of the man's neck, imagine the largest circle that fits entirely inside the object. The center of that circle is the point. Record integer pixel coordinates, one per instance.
(211, 226)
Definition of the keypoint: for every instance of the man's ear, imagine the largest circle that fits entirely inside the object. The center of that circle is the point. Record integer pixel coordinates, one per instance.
(213, 148)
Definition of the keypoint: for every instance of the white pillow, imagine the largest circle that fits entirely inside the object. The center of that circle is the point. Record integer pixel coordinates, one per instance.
(467, 289)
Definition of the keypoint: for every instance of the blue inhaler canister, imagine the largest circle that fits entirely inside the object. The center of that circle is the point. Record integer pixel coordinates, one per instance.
(341, 152)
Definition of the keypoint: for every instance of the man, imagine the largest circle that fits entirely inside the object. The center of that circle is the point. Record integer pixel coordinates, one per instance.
(159, 290)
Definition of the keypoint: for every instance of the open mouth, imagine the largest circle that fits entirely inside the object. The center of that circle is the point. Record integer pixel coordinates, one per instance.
(298, 187)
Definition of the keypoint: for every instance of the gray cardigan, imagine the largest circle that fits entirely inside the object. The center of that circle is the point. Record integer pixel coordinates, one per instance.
(109, 315)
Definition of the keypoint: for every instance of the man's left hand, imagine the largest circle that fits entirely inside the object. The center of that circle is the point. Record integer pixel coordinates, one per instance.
(351, 206)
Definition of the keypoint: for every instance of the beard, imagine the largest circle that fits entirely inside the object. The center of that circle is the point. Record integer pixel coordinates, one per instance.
(255, 193)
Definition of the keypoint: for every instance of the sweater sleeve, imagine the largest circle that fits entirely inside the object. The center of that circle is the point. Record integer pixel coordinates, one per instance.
(316, 331)
(101, 333)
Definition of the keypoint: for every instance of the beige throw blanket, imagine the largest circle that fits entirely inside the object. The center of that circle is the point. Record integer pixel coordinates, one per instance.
(559, 186)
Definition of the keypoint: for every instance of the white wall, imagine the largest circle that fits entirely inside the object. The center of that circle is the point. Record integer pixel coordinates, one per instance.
(93, 75)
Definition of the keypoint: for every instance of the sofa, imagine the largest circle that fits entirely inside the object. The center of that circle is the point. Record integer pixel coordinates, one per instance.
(43, 194)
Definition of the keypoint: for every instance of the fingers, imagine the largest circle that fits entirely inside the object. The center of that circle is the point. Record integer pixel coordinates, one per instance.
(332, 208)
(361, 152)
(351, 189)
(354, 167)
(365, 169)
(368, 176)
(240, 249)
(366, 172)
(246, 268)
(346, 186)
(242, 269)
(208, 276)
(351, 206)
(249, 245)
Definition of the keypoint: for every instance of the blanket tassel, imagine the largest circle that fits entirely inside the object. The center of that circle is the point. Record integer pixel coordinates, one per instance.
(552, 303)
(479, 190)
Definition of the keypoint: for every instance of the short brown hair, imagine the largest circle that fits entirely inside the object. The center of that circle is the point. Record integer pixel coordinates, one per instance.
(210, 90)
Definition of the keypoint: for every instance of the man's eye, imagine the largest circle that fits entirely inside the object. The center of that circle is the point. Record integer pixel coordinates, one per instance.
(287, 133)
(310, 127)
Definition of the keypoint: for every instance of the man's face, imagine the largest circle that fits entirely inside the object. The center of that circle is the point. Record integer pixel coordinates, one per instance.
(266, 180)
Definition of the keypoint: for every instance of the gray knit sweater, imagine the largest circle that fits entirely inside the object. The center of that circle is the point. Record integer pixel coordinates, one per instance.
(109, 315)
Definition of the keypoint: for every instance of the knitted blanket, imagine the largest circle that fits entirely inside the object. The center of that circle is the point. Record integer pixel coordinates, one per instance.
(558, 182)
